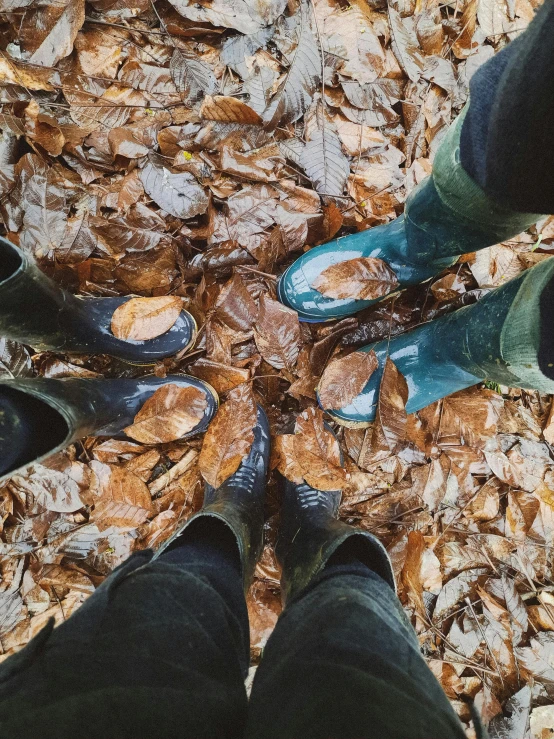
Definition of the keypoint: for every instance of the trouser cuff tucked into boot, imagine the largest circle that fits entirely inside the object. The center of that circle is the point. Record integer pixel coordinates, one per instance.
(459, 192)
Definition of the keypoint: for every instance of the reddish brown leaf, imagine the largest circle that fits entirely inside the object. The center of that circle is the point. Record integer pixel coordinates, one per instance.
(140, 319)
(169, 414)
(229, 436)
(235, 306)
(277, 333)
(363, 278)
(345, 378)
(389, 431)
(284, 458)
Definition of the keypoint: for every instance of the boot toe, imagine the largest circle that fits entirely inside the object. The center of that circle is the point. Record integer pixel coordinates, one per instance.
(180, 336)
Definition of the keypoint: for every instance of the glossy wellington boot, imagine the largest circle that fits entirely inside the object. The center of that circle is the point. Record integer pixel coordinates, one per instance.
(310, 533)
(34, 310)
(238, 503)
(39, 417)
(448, 214)
(498, 339)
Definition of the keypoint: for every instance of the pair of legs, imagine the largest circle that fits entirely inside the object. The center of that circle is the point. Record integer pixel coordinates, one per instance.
(161, 649)
(491, 180)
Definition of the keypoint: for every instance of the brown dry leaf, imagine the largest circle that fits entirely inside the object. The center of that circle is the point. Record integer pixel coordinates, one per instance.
(405, 46)
(363, 278)
(120, 498)
(141, 319)
(317, 452)
(228, 110)
(284, 458)
(536, 661)
(169, 414)
(229, 436)
(277, 333)
(343, 379)
(179, 194)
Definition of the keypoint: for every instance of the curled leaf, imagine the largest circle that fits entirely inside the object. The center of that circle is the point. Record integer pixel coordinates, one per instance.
(169, 414)
(363, 278)
(141, 319)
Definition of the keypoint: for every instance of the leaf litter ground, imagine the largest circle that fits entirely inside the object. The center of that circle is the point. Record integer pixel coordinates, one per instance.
(193, 151)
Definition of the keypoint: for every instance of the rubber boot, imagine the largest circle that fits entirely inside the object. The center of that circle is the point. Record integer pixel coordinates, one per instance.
(39, 417)
(448, 214)
(498, 339)
(34, 310)
(238, 503)
(310, 533)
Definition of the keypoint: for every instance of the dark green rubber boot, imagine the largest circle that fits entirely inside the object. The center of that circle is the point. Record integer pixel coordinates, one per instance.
(238, 503)
(498, 339)
(39, 417)
(34, 310)
(310, 534)
(448, 214)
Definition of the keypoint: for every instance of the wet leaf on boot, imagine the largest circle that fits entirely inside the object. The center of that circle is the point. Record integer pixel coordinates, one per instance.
(229, 436)
(345, 378)
(170, 413)
(141, 319)
(363, 278)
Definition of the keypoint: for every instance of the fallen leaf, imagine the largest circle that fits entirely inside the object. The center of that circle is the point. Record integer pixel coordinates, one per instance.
(363, 278)
(120, 498)
(178, 194)
(56, 31)
(324, 163)
(284, 456)
(405, 46)
(229, 436)
(169, 414)
(222, 377)
(228, 110)
(343, 379)
(141, 319)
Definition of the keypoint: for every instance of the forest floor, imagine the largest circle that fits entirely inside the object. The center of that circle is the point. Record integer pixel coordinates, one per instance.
(194, 150)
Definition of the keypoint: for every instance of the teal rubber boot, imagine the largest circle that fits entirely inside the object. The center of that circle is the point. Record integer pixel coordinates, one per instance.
(497, 339)
(39, 417)
(448, 214)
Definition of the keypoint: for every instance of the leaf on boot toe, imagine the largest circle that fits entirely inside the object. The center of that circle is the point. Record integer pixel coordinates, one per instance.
(170, 413)
(141, 319)
(363, 278)
(345, 378)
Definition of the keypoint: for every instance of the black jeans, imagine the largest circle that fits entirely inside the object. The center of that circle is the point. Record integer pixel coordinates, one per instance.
(161, 650)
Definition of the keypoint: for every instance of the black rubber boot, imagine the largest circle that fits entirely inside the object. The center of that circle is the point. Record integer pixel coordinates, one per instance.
(310, 534)
(238, 503)
(39, 417)
(34, 310)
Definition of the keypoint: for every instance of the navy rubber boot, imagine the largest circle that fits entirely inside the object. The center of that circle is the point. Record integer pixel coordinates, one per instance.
(34, 310)
(497, 339)
(447, 215)
(39, 417)
(238, 503)
(310, 533)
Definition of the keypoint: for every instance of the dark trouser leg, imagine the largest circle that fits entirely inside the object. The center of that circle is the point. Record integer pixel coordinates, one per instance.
(160, 650)
(506, 141)
(344, 663)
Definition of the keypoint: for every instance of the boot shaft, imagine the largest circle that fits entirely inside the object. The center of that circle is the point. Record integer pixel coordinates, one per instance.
(31, 304)
(498, 338)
